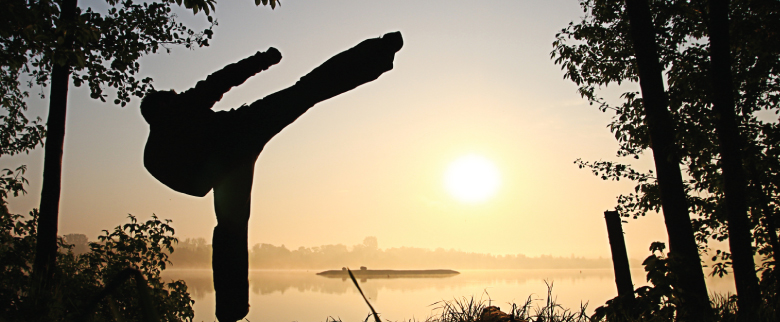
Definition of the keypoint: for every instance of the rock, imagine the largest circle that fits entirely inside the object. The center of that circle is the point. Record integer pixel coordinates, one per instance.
(494, 314)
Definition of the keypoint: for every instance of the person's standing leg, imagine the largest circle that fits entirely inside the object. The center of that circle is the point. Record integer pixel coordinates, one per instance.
(230, 259)
(256, 124)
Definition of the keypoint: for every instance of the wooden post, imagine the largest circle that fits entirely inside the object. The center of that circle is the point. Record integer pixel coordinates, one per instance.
(619, 256)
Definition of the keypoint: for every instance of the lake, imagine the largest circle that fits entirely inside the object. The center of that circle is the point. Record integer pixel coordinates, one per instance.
(299, 295)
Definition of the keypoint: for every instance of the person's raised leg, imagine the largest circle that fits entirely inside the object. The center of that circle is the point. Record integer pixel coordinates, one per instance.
(341, 73)
(256, 125)
(230, 259)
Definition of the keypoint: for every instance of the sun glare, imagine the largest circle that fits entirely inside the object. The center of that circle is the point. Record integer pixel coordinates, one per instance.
(472, 179)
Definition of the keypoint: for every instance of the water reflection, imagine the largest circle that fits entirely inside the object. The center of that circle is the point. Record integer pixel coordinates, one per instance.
(276, 295)
(262, 282)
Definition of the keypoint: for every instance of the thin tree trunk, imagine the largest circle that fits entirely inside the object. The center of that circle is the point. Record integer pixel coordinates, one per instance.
(46, 248)
(682, 245)
(735, 185)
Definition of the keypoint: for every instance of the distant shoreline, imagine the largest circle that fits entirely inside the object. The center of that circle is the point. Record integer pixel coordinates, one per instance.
(390, 273)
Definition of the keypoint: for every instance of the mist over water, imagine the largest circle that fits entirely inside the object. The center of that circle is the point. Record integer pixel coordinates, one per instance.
(300, 295)
(197, 253)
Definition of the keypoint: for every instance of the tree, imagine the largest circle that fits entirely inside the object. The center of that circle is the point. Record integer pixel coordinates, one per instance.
(53, 42)
(599, 51)
(140, 247)
(661, 132)
(734, 183)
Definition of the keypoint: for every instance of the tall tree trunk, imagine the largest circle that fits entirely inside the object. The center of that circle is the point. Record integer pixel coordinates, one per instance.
(735, 185)
(46, 248)
(682, 245)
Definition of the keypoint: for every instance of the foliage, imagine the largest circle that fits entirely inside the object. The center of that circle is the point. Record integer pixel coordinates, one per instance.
(46, 43)
(79, 278)
(597, 52)
(105, 52)
(106, 46)
(17, 246)
(12, 182)
(80, 243)
(459, 310)
(472, 310)
(17, 133)
(651, 303)
(661, 300)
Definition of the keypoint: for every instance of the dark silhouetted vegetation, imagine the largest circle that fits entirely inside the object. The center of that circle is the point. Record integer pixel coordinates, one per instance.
(681, 53)
(661, 300)
(472, 309)
(656, 303)
(54, 43)
(79, 279)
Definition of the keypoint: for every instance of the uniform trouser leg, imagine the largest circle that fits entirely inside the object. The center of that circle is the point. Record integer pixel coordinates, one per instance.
(256, 124)
(230, 259)
(339, 74)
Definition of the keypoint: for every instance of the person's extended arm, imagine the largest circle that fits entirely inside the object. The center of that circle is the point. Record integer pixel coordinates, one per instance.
(207, 92)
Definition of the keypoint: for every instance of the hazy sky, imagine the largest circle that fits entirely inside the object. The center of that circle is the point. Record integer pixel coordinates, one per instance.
(472, 78)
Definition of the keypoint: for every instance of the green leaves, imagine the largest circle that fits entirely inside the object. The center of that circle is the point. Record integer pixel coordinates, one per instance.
(12, 182)
(196, 5)
(265, 3)
(105, 53)
(143, 246)
(596, 53)
(140, 245)
(17, 133)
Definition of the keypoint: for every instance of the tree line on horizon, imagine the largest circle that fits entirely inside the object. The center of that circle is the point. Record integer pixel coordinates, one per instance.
(196, 253)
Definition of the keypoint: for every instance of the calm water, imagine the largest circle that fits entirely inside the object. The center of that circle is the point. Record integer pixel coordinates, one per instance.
(304, 296)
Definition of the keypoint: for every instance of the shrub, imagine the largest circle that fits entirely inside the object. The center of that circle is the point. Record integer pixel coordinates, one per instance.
(80, 279)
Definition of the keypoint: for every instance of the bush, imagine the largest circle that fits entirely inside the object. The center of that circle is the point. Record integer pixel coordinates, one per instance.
(80, 279)
(661, 301)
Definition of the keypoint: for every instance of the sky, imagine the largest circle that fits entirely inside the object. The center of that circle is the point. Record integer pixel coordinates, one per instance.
(473, 78)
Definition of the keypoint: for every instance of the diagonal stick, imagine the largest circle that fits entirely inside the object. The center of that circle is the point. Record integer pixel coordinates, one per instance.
(376, 316)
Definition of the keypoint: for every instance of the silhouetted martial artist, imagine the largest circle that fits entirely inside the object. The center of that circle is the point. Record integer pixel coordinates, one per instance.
(192, 149)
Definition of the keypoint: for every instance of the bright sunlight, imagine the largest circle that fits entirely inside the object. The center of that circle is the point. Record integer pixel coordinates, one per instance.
(472, 179)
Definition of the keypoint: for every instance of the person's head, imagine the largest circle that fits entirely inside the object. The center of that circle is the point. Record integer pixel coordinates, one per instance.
(155, 104)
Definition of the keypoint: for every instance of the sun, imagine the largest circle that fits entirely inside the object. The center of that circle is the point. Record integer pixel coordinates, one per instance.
(472, 179)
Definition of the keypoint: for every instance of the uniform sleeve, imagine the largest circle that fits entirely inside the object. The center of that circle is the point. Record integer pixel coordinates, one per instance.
(208, 92)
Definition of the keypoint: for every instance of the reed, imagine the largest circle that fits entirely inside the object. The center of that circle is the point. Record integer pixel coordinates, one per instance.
(470, 309)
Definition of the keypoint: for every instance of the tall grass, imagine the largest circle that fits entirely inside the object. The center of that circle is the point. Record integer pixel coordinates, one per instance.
(459, 310)
(472, 309)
